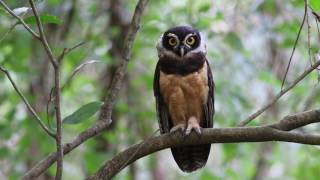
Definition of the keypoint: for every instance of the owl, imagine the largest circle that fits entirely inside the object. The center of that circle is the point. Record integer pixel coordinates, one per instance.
(184, 92)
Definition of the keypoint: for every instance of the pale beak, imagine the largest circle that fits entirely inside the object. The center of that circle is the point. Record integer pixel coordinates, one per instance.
(181, 51)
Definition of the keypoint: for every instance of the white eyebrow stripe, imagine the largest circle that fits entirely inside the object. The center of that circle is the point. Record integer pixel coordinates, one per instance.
(185, 39)
(176, 37)
(189, 35)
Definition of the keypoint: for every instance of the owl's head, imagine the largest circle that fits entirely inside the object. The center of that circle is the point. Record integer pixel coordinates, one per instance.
(180, 42)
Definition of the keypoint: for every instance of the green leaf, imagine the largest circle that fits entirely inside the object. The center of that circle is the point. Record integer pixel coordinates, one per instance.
(83, 113)
(45, 19)
(315, 5)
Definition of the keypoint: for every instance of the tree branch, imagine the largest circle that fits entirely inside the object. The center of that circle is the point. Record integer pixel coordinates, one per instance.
(29, 107)
(116, 83)
(296, 42)
(57, 91)
(34, 34)
(43, 38)
(106, 110)
(280, 94)
(274, 132)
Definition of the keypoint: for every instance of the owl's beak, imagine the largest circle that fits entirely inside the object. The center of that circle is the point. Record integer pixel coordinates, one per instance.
(182, 50)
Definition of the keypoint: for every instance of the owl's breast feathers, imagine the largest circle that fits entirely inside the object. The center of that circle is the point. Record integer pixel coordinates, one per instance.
(184, 88)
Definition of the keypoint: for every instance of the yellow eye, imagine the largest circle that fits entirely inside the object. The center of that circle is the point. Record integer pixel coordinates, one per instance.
(191, 40)
(172, 41)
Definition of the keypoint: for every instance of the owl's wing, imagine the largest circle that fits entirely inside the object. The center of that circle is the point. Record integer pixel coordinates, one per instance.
(209, 106)
(162, 110)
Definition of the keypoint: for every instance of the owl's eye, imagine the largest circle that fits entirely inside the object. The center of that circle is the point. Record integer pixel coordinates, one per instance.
(191, 40)
(172, 41)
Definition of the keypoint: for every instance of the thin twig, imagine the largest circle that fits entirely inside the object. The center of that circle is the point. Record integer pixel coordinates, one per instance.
(76, 70)
(57, 91)
(76, 46)
(68, 50)
(47, 107)
(114, 88)
(317, 16)
(43, 38)
(295, 43)
(9, 31)
(116, 82)
(308, 34)
(19, 19)
(279, 95)
(29, 107)
(12, 27)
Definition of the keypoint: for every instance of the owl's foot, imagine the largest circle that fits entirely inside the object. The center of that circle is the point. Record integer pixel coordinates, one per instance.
(178, 127)
(193, 124)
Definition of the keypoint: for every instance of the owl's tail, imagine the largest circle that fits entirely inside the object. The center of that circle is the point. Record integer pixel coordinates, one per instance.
(191, 158)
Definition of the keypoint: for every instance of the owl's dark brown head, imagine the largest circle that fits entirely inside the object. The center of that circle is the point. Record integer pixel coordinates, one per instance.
(180, 41)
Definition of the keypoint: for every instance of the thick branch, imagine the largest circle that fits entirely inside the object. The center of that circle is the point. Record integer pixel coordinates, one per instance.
(274, 132)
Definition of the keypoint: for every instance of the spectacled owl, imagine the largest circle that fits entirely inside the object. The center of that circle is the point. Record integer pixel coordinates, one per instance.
(184, 91)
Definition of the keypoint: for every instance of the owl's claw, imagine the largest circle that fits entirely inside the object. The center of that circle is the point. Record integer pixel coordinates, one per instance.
(179, 127)
(193, 125)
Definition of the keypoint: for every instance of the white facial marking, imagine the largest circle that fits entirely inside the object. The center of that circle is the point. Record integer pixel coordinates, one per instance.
(185, 39)
(162, 51)
(200, 48)
(176, 37)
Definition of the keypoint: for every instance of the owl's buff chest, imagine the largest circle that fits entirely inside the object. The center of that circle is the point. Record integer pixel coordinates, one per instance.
(192, 87)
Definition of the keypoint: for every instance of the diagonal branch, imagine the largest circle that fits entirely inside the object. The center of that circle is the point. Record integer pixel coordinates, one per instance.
(280, 94)
(296, 42)
(275, 132)
(107, 109)
(57, 91)
(34, 34)
(43, 38)
(24, 99)
(116, 83)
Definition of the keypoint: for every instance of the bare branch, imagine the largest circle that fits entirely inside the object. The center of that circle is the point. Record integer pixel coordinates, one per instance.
(296, 42)
(34, 34)
(280, 94)
(24, 99)
(76, 70)
(68, 50)
(274, 132)
(116, 83)
(43, 38)
(107, 109)
(57, 91)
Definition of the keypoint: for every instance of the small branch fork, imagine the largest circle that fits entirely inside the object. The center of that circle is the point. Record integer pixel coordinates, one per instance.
(24, 99)
(55, 63)
(296, 81)
(106, 110)
(274, 132)
(280, 131)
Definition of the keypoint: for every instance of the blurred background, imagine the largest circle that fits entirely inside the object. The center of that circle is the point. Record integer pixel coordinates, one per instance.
(249, 45)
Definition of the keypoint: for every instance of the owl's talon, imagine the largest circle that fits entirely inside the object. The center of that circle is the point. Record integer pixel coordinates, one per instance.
(179, 127)
(193, 125)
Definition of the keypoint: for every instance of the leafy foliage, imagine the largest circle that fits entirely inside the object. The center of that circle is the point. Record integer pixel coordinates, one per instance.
(248, 45)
